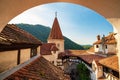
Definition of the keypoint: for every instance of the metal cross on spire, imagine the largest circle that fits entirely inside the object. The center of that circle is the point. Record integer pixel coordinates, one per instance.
(56, 14)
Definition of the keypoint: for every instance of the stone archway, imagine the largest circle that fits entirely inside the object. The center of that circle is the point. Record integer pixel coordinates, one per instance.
(11, 8)
(109, 9)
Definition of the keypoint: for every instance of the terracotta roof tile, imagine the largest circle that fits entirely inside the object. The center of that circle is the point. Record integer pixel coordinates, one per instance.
(46, 48)
(91, 49)
(4, 39)
(55, 31)
(54, 48)
(76, 52)
(110, 39)
(90, 57)
(39, 69)
(61, 55)
(18, 35)
(110, 62)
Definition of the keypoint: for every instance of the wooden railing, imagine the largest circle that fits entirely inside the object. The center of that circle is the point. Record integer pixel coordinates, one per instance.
(110, 76)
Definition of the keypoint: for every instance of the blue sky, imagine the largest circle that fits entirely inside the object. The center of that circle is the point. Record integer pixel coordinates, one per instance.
(78, 23)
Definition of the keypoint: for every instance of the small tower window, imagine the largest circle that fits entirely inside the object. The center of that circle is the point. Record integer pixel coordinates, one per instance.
(54, 52)
(58, 45)
(52, 62)
(97, 46)
(106, 46)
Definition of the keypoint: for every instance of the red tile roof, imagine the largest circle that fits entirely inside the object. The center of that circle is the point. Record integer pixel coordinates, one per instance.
(17, 35)
(110, 62)
(4, 39)
(75, 52)
(61, 55)
(91, 49)
(39, 69)
(13, 38)
(46, 48)
(55, 31)
(90, 57)
(110, 39)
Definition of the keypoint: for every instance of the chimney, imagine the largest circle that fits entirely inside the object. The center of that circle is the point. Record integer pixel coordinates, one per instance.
(98, 37)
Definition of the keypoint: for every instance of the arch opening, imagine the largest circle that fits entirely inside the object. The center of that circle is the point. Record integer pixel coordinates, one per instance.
(113, 17)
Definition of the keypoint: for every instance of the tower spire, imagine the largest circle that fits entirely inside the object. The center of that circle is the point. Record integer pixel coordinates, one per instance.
(55, 32)
(56, 14)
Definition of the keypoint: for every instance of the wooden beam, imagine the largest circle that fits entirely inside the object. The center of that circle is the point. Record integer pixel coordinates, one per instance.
(31, 53)
(18, 57)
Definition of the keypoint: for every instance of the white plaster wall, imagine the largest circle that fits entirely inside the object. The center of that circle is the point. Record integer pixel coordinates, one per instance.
(116, 26)
(8, 59)
(98, 70)
(55, 55)
(112, 47)
(99, 49)
(38, 50)
(58, 41)
(25, 55)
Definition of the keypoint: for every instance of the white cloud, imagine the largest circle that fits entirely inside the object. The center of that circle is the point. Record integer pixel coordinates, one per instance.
(36, 15)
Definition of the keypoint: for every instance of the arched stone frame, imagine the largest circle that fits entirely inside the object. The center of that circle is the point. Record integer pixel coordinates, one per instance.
(109, 9)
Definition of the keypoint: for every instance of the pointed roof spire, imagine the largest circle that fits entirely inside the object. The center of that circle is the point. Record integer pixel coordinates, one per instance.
(55, 31)
(56, 14)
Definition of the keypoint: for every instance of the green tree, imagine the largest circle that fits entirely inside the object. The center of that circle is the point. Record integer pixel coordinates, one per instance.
(84, 73)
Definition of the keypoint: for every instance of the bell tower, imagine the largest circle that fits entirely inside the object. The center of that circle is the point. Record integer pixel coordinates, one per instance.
(56, 36)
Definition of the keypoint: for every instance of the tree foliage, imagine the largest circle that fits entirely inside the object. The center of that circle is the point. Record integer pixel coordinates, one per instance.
(83, 72)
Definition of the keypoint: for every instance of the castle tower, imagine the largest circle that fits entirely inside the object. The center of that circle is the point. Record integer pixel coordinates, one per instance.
(56, 36)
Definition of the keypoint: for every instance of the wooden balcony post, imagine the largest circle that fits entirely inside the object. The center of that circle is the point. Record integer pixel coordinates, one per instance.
(18, 57)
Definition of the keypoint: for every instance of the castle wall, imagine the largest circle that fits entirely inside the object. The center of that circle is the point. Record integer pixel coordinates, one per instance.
(8, 59)
(59, 43)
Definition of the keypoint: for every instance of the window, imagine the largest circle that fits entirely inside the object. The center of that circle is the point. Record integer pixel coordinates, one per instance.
(54, 52)
(105, 69)
(53, 62)
(97, 46)
(106, 46)
(58, 45)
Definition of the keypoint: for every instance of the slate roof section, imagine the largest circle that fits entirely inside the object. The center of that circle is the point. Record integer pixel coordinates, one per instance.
(110, 62)
(46, 48)
(55, 31)
(39, 69)
(16, 35)
(110, 39)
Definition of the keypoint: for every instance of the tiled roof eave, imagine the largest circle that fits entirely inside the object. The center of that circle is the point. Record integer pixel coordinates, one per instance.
(117, 70)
